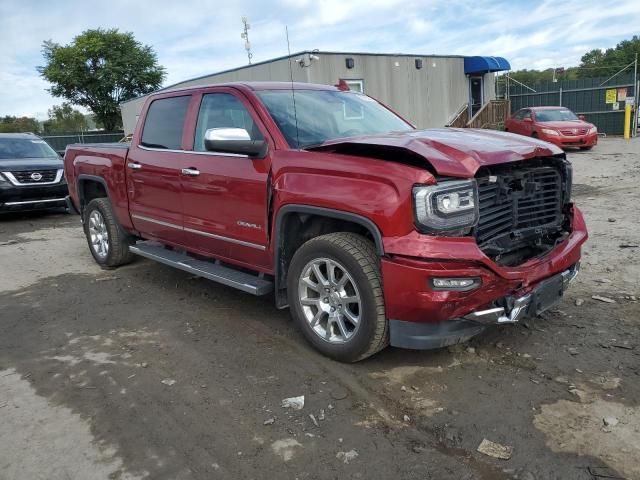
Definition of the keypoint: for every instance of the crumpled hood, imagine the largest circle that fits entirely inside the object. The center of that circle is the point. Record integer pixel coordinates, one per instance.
(455, 152)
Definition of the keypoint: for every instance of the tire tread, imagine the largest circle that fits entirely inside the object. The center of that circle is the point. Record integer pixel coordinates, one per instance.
(119, 240)
(364, 252)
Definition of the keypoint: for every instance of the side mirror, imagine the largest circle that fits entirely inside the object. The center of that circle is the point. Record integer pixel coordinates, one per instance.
(581, 117)
(233, 140)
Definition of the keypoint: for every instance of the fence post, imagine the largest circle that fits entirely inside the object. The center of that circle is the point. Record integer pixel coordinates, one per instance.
(560, 96)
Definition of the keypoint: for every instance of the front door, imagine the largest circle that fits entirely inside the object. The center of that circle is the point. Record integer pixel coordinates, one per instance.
(475, 95)
(153, 171)
(224, 195)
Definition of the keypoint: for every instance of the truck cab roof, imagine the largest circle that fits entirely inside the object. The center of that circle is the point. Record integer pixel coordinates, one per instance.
(254, 86)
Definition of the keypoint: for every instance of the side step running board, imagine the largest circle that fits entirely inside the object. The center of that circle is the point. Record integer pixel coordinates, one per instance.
(213, 271)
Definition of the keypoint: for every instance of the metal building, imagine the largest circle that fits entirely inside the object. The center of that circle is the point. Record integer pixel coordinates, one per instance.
(427, 90)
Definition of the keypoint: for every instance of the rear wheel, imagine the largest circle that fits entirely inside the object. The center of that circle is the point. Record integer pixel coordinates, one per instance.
(335, 296)
(108, 242)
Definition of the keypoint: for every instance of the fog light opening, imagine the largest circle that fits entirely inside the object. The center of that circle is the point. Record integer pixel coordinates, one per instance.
(454, 284)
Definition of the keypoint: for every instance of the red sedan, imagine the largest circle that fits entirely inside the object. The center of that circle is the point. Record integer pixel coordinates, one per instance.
(557, 125)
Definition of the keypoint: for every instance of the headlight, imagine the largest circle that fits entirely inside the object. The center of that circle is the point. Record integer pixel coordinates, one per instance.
(548, 131)
(446, 207)
(593, 130)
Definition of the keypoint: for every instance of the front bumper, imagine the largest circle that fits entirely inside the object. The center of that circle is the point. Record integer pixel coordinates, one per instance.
(37, 197)
(417, 311)
(424, 336)
(587, 140)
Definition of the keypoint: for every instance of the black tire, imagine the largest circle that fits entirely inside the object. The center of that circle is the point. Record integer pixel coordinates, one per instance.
(118, 240)
(358, 256)
(534, 134)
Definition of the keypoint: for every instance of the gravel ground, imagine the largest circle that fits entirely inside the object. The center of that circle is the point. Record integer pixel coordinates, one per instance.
(147, 372)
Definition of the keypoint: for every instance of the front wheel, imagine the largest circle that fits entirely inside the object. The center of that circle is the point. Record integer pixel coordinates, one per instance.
(335, 295)
(108, 242)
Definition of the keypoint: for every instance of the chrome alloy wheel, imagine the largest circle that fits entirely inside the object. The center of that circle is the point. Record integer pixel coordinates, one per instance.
(330, 300)
(99, 234)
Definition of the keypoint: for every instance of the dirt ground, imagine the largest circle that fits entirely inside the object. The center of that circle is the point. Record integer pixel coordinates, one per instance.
(147, 372)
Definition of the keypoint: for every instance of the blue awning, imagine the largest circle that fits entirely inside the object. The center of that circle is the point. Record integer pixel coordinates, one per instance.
(485, 64)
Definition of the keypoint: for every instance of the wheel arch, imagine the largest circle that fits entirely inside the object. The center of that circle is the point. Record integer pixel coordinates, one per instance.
(315, 221)
(90, 187)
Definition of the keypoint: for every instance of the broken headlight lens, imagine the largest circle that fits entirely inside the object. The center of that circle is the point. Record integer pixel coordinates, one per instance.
(448, 207)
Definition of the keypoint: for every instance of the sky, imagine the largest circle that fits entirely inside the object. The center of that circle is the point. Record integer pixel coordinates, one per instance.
(198, 37)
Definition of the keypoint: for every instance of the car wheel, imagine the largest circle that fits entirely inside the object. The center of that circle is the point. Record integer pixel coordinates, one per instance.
(335, 296)
(534, 134)
(108, 242)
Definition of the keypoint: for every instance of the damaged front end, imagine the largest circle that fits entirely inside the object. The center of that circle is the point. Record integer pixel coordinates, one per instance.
(524, 209)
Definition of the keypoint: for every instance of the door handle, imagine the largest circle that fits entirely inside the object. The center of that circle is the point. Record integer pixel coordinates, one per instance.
(134, 166)
(191, 172)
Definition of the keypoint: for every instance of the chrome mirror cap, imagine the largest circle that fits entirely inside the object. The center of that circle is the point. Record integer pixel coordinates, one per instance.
(226, 134)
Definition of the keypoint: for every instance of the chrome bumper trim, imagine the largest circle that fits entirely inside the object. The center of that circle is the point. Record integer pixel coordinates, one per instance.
(499, 315)
(33, 202)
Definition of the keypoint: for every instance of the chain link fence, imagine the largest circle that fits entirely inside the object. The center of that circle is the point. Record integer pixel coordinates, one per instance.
(60, 141)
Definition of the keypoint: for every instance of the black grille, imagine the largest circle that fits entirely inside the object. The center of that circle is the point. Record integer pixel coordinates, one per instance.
(25, 176)
(520, 200)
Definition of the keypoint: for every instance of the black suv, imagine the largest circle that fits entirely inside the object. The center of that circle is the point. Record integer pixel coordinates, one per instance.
(31, 174)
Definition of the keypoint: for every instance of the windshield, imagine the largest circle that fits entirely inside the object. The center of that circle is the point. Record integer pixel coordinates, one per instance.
(328, 114)
(559, 115)
(13, 148)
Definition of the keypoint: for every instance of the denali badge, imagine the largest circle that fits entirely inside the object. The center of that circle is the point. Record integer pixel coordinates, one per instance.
(36, 176)
(249, 225)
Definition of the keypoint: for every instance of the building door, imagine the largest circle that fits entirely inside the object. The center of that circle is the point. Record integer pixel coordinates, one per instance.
(475, 95)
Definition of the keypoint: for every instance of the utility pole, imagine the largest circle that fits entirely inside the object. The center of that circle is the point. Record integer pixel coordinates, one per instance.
(245, 36)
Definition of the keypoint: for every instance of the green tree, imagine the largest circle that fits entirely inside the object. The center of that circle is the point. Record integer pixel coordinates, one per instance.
(11, 124)
(64, 118)
(598, 63)
(100, 69)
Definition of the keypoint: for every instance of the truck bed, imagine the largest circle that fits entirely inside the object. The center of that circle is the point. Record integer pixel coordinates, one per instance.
(104, 163)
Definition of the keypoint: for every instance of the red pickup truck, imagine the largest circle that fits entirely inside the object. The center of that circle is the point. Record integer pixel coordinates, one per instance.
(370, 231)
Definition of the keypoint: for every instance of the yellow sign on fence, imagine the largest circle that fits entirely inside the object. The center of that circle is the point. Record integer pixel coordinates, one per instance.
(612, 96)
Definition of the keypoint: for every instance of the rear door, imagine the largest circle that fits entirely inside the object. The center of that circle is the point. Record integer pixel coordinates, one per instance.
(153, 170)
(225, 195)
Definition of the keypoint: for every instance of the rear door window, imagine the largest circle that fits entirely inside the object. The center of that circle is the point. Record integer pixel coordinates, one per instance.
(164, 123)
